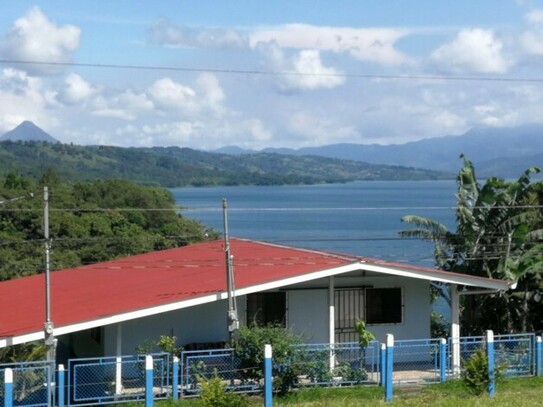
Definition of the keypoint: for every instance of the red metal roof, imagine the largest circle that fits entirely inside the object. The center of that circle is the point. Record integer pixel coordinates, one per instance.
(149, 280)
(164, 277)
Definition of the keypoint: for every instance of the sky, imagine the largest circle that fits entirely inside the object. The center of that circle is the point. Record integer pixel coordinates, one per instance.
(207, 74)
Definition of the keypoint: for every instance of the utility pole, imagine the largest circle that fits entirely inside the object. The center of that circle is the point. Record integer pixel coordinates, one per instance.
(232, 313)
(48, 328)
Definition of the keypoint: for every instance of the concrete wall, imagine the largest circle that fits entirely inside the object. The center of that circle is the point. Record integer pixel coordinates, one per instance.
(204, 323)
(307, 314)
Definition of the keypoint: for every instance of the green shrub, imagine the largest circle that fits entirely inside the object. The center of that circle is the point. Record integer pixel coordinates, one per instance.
(249, 348)
(475, 373)
(165, 344)
(214, 395)
(439, 327)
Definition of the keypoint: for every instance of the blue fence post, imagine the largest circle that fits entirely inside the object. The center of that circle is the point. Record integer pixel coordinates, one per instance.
(538, 356)
(268, 400)
(382, 364)
(8, 387)
(60, 386)
(148, 381)
(175, 378)
(491, 368)
(442, 360)
(389, 367)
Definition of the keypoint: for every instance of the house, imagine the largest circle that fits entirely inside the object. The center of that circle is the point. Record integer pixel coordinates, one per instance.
(109, 308)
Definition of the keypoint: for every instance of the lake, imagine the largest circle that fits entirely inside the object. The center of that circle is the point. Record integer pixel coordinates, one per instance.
(361, 218)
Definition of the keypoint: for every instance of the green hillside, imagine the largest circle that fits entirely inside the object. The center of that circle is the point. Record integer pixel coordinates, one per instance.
(174, 166)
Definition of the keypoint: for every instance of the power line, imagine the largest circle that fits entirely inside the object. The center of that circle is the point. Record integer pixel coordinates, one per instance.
(276, 73)
(275, 209)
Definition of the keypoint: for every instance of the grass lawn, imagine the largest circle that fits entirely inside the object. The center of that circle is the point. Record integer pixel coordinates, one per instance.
(509, 392)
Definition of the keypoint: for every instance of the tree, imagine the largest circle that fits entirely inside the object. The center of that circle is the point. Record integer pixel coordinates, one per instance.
(89, 222)
(498, 235)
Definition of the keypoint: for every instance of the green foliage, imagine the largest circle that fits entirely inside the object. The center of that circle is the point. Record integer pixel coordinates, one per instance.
(25, 352)
(350, 373)
(89, 222)
(499, 234)
(439, 328)
(364, 335)
(173, 166)
(249, 348)
(213, 394)
(165, 343)
(475, 374)
(168, 344)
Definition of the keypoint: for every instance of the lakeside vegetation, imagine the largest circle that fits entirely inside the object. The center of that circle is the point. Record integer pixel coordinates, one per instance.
(89, 222)
(176, 167)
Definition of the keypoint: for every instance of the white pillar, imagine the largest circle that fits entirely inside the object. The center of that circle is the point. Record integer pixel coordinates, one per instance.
(331, 320)
(455, 329)
(119, 365)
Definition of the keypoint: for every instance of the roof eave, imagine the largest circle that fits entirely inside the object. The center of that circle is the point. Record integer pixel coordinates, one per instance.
(442, 276)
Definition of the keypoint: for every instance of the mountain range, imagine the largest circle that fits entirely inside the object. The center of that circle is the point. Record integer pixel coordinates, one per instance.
(175, 166)
(502, 152)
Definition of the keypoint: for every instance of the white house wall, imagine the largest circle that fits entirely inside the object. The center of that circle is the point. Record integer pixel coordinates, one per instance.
(308, 308)
(201, 324)
(307, 314)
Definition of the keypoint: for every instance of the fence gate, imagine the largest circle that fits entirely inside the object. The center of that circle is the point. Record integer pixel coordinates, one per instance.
(349, 306)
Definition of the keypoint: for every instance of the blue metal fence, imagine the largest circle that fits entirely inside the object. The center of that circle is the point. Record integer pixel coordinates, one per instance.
(29, 383)
(417, 361)
(336, 364)
(514, 354)
(93, 381)
(115, 379)
(200, 365)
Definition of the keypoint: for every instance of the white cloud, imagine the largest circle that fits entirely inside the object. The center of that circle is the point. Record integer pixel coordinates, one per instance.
(166, 33)
(213, 94)
(366, 44)
(257, 130)
(207, 95)
(310, 73)
(316, 129)
(473, 50)
(534, 16)
(303, 71)
(532, 42)
(168, 94)
(77, 90)
(35, 38)
(126, 105)
(171, 134)
(23, 97)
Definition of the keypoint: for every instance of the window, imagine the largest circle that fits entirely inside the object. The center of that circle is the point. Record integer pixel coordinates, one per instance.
(384, 305)
(266, 308)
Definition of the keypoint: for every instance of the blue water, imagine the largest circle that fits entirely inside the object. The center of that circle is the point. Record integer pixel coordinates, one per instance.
(361, 218)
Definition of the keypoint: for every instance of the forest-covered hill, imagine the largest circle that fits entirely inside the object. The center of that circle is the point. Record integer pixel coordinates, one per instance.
(174, 166)
(89, 222)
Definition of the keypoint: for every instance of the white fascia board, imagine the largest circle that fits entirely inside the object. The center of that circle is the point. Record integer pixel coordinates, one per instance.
(299, 279)
(449, 278)
(16, 340)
